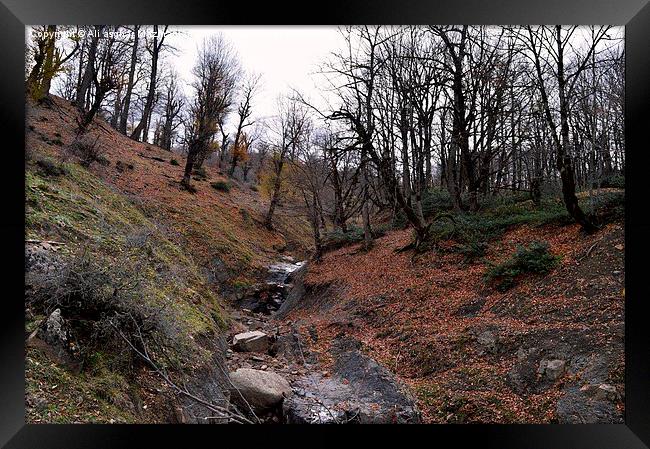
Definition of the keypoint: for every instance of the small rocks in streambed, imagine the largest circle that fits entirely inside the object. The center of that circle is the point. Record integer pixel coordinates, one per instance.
(293, 346)
(552, 369)
(254, 341)
(333, 400)
(263, 390)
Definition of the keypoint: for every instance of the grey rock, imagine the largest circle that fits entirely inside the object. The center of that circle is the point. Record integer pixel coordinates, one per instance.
(579, 407)
(552, 369)
(292, 346)
(254, 341)
(55, 332)
(606, 391)
(488, 341)
(263, 390)
(357, 390)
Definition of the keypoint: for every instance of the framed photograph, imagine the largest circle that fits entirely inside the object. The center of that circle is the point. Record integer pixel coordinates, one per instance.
(419, 218)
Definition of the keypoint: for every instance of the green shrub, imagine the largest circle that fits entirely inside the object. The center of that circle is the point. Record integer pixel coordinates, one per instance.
(200, 174)
(105, 302)
(472, 231)
(174, 162)
(221, 186)
(434, 200)
(535, 258)
(605, 207)
(614, 181)
(473, 249)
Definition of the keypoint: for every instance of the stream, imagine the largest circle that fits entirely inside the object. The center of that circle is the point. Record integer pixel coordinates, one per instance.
(268, 297)
(355, 388)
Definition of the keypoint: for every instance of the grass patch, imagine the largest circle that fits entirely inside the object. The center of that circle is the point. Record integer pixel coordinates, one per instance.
(120, 241)
(221, 186)
(470, 233)
(337, 238)
(56, 395)
(534, 258)
(117, 264)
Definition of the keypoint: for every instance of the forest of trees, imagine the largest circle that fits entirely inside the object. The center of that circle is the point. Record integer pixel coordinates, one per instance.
(473, 111)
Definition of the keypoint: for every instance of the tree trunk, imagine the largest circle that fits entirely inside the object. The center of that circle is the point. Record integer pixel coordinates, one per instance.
(277, 184)
(564, 164)
(152, 87)
(129, 87)
(84, 87)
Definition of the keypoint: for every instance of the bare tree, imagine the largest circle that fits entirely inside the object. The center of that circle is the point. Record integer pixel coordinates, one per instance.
(286, 131)
(244, 111)
(154, 50)
(126, 104)
(549, 46)
(214, 74)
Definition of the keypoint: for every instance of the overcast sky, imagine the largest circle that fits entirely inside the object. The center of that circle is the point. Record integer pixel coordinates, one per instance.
(285, 57)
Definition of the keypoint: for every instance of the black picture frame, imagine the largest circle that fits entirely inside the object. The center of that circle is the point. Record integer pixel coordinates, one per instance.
(634, 14)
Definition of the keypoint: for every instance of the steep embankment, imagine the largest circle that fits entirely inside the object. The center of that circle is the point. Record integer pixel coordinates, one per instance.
(548, 350)
(219, 229)
(131, 261)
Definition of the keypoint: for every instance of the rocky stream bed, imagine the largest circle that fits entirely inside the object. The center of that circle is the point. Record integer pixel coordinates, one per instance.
(275, 376)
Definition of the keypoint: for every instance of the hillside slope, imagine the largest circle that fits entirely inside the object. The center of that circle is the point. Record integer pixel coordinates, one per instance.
(219, 229)
(133, 262)
(120, 250)
(469, 352)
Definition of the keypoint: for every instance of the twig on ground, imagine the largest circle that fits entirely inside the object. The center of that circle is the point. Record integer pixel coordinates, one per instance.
(183, 391)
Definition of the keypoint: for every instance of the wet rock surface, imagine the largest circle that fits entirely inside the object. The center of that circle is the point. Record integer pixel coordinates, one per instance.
(268, 297)
(358, 390)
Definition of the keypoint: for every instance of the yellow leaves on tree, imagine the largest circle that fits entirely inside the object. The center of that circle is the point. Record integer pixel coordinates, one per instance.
(239, 150)
(267, 177)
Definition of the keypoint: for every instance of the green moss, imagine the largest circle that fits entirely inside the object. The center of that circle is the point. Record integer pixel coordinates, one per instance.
(65, 397)
(86, 214)
(79, 208)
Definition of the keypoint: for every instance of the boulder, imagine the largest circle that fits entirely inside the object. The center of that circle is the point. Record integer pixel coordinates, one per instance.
(488, 341)
(55, 333)
(263, 390)
(254, 341)
(552, 369)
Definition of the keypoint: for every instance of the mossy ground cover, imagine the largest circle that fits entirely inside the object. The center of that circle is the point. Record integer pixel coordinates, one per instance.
(89, 217)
